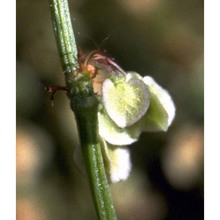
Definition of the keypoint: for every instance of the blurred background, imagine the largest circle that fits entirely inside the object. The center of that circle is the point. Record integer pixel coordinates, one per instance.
(161, 38)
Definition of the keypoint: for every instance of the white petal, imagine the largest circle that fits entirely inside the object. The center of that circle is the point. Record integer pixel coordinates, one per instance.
(117, 162)
(163, 104)
(114, 134)
(125, 100)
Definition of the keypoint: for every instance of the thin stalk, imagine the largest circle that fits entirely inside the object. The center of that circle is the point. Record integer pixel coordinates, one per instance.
(86, 116)
(64, 35)
(85, 107)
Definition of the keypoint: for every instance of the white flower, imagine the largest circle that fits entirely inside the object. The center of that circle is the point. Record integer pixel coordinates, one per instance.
(131, 105)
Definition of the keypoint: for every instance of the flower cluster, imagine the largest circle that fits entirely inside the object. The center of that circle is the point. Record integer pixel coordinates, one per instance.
(129, 105)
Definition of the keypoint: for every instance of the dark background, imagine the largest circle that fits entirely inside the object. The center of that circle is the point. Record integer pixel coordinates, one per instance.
(161, 38)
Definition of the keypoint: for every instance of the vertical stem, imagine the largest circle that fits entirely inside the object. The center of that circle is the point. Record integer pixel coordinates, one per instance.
(64, 35)
(85, 107)
(86, 116)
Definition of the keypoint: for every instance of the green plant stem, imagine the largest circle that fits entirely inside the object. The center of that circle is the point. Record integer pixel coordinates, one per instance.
(64, 34)
(86, 115)
(85, 106)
